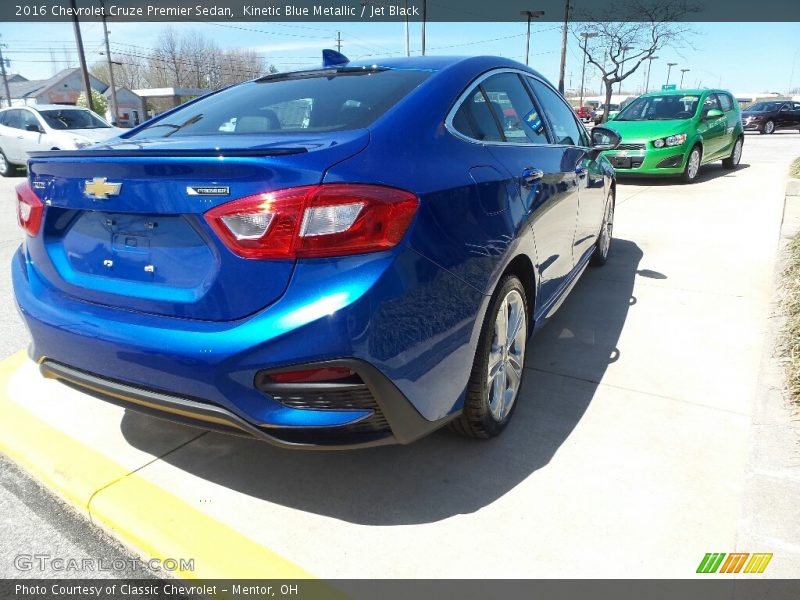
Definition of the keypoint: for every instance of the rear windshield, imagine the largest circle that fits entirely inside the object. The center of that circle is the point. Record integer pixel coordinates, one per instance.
(73, 118)
(332, 100)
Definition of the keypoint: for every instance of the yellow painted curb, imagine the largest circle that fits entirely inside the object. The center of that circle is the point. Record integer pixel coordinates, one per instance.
(143, 515)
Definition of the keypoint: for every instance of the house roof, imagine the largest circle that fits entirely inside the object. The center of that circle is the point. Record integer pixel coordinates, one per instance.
(28, 89)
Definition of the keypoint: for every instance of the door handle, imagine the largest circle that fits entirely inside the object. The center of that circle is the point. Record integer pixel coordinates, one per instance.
(531, 175)
(19, 137)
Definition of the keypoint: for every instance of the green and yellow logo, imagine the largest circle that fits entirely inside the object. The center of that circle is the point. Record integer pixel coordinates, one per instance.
(713, 562)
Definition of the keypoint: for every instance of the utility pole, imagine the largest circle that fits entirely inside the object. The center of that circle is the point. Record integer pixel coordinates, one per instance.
(424, 19)
(585, 35)
(683, 72)
(622, 66)
(114, 105)
(87, 87)
(408, 41)
(563, 48)
(669, 68)
(649, 66)
(5, 76)
(338, 41)
(531, 14)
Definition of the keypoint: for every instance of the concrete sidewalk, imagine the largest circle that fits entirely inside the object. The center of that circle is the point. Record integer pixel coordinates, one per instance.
(628, 455)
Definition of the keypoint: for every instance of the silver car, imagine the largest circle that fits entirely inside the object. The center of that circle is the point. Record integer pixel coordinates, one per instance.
(27, 129)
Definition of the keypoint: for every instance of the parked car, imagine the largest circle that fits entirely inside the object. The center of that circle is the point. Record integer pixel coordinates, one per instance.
(26, 129)
(768, 117)
(357, 272)
(597, 113)
(584, 113)
(675, 132)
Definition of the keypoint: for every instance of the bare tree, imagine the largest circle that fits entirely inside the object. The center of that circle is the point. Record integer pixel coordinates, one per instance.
(129, 71)
(197, 61)
(622, 46)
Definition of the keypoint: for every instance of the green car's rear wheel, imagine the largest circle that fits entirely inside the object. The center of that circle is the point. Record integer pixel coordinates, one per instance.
(736, 155)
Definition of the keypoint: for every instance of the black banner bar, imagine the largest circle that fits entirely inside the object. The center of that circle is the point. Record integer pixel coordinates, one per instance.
(711, 587)
(398, 10)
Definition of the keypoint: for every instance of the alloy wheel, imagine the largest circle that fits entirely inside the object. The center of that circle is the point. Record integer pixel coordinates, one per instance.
(507, 355)
(608, 230)
(737, 152)
(4, 166)
(769, 127)
(694, 164)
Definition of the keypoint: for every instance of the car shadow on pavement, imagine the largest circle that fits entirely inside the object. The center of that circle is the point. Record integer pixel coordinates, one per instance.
(442, 475)
(707, 173)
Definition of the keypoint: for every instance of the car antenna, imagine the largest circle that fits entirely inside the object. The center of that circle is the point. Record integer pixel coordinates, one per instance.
(332, 58)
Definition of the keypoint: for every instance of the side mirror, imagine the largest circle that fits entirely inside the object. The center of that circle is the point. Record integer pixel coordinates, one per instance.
(33, 127)
(714, 113)
(604, 138)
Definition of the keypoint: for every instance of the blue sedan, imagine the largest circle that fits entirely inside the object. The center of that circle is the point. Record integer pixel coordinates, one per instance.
(339, 257)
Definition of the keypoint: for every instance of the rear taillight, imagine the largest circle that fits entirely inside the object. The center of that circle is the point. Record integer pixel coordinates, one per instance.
(315, 221)
(29, 209)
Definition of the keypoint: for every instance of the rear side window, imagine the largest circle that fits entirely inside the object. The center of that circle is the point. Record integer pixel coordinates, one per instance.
(561, 116)
(14, 119)
(475, 120)
(725, 101)
(331, 100)
(500, 109)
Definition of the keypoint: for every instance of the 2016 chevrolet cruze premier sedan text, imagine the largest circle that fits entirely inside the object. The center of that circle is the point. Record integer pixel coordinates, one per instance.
(347, 256)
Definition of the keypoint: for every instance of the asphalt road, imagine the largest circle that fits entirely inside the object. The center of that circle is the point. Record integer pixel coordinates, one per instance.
(627, 455)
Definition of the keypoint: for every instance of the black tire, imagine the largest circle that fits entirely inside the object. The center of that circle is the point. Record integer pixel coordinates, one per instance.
(768, 127)
(6, 168)
(477, 419)
(687, 176)
(732, 161)
(601, 248)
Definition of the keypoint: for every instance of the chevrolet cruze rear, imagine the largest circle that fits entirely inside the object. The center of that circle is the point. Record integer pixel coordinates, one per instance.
(308, 258)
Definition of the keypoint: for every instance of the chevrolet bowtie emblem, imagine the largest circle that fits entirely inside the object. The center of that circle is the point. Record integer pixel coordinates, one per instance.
(100, 189)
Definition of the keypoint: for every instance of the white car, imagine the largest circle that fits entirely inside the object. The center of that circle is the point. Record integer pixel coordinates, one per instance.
(27, 129)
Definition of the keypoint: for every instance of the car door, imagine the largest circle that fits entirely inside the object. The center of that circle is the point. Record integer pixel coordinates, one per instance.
(540, 174)
(732, 121)
(12, 135)
(796, 114)
(712, 128)
(571, 135)
(31, 136)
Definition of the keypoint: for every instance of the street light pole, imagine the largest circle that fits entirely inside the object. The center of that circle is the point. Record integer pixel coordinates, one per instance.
(114, 105)
(622, 66)
(530, 14)
(562, 67)
(649, 67)
(683, 72)
(585, 35)
(669, 69)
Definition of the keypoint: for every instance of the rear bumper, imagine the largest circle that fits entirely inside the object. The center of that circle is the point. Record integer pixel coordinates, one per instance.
(202, 372)
(393, 421)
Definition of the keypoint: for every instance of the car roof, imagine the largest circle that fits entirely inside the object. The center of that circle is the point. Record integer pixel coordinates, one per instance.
(39, 107)
(433, 63)
(697, 91)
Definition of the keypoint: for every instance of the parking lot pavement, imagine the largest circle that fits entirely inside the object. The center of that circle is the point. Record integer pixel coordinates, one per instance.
(626, 457)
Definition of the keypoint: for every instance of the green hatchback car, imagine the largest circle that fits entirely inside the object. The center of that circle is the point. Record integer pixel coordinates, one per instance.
(675, 132)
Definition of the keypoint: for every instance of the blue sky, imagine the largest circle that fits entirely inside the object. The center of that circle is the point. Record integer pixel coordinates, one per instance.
(743, 57)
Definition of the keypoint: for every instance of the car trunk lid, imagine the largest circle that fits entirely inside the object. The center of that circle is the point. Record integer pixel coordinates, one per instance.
(124, 224)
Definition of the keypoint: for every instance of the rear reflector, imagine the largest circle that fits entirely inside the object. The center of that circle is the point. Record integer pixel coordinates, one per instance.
(29, 209)
(312, 375)
(314, 221)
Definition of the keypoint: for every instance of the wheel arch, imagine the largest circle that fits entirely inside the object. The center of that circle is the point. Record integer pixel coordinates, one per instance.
(522, 267)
